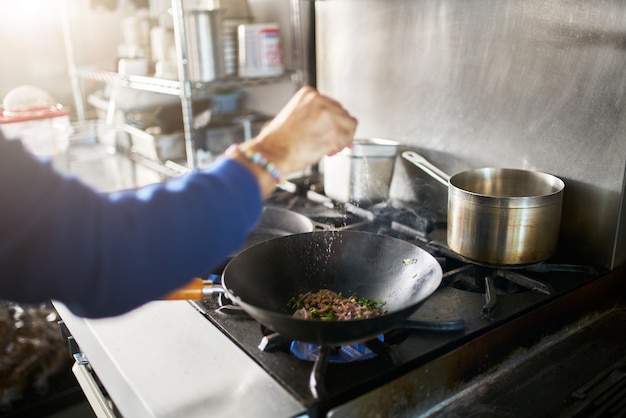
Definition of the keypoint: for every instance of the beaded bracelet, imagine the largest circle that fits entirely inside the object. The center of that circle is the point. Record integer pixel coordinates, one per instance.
(258, 159)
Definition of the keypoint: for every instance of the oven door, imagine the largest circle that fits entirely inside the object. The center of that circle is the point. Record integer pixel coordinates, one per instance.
(94, 392)
(88, 381)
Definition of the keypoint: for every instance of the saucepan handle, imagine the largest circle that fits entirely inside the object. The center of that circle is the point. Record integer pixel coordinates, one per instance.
(421, 162)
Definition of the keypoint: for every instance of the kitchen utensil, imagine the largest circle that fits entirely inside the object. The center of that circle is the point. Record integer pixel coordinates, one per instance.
(262, 278)
(500, 216)
(362, 173)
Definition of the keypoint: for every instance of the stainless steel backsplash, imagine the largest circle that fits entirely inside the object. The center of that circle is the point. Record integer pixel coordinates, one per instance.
(525, 84)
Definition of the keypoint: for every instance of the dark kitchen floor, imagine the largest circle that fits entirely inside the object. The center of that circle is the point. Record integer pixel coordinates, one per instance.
(64, 399)
(583, 374)
(80, 410)
(36, 378)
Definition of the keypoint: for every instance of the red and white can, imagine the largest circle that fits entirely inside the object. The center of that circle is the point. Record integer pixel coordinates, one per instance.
(260, 50)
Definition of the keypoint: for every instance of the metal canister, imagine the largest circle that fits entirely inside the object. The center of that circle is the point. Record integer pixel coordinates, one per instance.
(361, 174)
(205, 44)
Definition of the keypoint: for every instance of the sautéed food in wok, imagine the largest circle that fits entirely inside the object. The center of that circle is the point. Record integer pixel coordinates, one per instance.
(328, 305)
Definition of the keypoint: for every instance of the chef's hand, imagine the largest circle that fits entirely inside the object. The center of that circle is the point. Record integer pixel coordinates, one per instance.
(310, 126)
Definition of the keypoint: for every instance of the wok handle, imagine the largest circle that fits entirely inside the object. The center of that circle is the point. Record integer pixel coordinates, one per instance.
(196, 289)
(421, 162)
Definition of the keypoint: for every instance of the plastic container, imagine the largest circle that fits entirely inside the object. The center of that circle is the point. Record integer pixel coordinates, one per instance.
(44, 132)
(160, 148)
(227, 102)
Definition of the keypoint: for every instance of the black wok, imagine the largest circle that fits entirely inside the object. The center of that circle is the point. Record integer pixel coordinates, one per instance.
(262, 279)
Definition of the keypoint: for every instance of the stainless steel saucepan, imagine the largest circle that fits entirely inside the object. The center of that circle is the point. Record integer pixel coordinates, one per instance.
(500, 216)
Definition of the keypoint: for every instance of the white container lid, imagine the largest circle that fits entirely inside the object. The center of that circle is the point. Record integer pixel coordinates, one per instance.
(26, 99)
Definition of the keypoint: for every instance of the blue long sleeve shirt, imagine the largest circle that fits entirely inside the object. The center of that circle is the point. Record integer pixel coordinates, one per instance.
(106, 254)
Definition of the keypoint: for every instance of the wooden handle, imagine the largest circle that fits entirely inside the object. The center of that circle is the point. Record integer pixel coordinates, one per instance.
(194, 290)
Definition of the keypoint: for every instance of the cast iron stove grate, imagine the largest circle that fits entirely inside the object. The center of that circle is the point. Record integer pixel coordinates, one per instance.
(501, 280)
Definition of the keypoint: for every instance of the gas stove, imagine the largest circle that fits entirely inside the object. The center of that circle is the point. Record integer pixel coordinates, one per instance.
(473, 301)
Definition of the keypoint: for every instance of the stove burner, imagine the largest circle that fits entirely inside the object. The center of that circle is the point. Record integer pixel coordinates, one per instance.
(325, 354)
(493, 282)
(504, 282)
(341, 354)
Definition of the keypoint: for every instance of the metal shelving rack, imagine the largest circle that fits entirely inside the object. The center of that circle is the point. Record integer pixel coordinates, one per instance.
(184, 88)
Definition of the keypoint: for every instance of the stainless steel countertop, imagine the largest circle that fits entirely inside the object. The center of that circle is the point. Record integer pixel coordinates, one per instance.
(165, 359)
